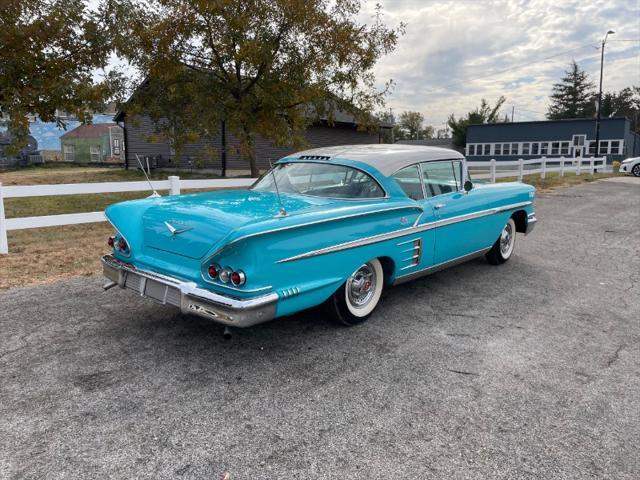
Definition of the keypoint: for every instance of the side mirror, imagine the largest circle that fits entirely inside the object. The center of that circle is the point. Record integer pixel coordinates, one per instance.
(468, 185)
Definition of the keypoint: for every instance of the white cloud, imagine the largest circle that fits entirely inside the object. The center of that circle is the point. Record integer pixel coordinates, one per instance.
(450, 44)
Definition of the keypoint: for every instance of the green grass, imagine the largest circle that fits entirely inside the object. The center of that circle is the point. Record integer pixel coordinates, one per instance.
(49, 174)
(553, 179)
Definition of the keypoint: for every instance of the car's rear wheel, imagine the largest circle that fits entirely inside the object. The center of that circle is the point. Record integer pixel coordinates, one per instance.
(636, 170)
(504, 246)
(356, 299)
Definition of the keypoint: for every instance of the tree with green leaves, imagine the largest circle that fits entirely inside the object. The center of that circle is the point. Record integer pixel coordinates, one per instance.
(482, 114)
(266, 67)
(573, 96)
(625, 103)
(50, 51)
(412, 122)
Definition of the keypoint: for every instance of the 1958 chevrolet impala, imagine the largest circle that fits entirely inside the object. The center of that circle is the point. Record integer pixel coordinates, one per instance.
(331, 225)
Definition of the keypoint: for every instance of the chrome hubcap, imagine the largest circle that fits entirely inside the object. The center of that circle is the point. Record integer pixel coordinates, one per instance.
(506, 239)
(361, 286)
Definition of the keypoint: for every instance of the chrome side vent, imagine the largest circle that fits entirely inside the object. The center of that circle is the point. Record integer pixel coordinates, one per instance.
(314, 157)
(414, 249)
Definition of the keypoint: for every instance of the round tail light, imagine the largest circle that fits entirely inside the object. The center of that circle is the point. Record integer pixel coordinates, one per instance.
(110, 242)
(122, 245)
(238, 278)
(213, 270)
(225, 274)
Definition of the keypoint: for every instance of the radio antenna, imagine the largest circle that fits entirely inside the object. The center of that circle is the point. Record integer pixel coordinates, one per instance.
(283, 211)
(154, 194)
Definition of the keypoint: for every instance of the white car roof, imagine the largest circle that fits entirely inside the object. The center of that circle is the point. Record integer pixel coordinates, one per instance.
(387, 158)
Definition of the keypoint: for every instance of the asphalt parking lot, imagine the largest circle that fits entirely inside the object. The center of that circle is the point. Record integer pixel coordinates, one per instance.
(528, 370)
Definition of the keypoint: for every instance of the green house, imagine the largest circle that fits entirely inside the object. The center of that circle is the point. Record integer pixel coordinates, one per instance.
(97, 143)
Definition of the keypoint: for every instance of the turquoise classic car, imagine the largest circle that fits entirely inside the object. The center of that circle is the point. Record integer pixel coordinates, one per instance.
(330, 226)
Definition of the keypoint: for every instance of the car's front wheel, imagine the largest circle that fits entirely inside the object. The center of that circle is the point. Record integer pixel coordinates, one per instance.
(636, 170)
(356, 299)
(503, 248)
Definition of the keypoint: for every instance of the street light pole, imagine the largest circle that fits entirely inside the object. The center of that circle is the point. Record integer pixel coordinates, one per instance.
(604, 40)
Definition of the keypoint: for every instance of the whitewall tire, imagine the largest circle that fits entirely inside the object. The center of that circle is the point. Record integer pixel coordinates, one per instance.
(502, 249)
(358, 297)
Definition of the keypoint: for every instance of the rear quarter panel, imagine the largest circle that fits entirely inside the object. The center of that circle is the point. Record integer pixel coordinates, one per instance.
(266, 257)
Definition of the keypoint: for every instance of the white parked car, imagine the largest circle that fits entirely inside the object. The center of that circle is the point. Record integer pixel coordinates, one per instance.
(631, 165)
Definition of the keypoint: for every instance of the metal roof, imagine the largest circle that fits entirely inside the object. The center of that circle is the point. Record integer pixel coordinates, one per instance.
(386, 158)
(89, 131)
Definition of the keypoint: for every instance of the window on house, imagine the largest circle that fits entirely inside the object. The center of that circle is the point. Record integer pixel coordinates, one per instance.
(614, 147)
(506, 149)
(514, 149)
(94, 151)
(544, 148)
(535, 148)
(487, 149)
(604, 147)
(526, 147)
(497, 149)
(116, 146)
(592, 147)
(555, 148)
(471, 149)
(69, 153)
(564, 148)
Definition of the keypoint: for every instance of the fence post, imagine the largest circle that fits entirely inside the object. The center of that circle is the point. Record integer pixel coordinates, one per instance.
(520, 169)
(562, 166)
(4, 244)
(579, 164)
(543, 172)
(174, 183)
(591, 165)
(493, 170)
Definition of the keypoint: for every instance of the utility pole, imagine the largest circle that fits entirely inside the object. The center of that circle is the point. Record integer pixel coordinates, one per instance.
(513, 111)
(393, 125)
(604, 40)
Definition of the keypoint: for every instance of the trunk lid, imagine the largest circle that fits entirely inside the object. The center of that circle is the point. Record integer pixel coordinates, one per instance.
(191, 225)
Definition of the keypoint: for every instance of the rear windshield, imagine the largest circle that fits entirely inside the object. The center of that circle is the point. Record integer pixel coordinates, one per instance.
(320, 180)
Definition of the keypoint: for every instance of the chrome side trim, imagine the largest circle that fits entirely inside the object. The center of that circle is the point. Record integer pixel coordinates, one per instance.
(315, 222)
(440, 266)
(381, 237)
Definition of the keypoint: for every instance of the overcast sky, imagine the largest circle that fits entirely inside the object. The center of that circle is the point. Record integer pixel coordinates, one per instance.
(453, 50)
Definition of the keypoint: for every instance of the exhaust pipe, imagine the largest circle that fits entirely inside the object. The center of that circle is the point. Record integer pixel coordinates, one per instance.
(109, 285)
(227, 334)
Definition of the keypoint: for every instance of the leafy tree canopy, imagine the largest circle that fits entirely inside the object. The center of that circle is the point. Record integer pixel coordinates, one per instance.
(625, 103)
(482, 114)
(50, 50)
(573, 96)
(264, 66)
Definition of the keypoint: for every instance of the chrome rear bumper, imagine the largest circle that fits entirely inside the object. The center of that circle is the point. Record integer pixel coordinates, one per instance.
(190, 298)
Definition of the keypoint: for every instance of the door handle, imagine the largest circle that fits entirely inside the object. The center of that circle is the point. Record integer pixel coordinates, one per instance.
(438, 206)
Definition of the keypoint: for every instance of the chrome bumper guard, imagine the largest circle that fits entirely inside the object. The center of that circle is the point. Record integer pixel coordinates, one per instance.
(191, 299)
(531, 223)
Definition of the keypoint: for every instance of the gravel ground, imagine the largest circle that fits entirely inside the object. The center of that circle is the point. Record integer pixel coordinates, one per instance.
(528, 370)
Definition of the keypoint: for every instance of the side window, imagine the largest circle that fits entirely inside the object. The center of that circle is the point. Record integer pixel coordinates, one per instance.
(409, 180)
(439, 178)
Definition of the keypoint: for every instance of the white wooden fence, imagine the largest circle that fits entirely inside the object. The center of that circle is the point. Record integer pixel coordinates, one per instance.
(173, 184)
(520, 168)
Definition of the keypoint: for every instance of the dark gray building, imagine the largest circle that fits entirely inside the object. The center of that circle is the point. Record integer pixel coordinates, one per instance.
(570, 138)
(221, 152)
